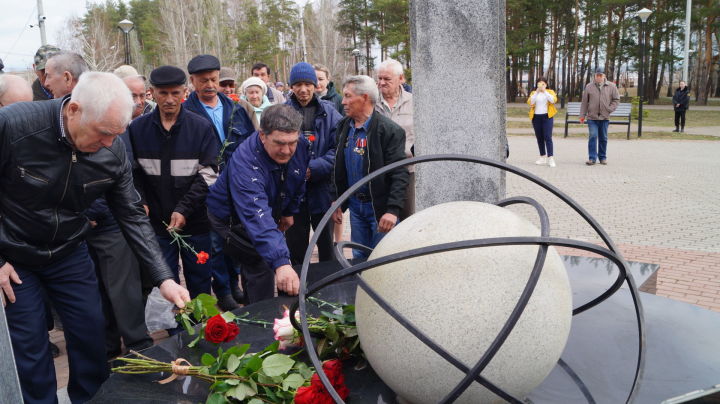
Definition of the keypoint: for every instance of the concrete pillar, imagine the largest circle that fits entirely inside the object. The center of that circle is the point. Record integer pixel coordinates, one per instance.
(458, 72)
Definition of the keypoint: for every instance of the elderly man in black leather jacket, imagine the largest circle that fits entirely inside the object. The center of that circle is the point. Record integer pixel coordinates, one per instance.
(56, 158)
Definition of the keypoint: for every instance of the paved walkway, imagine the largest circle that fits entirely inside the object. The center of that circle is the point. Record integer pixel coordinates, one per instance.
(657, 199)
(645, 106)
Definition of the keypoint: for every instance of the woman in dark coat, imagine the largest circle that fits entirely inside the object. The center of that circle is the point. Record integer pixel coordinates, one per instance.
(681, 102)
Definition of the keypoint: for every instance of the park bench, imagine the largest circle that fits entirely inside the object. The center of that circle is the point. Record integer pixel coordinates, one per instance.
(621, 115)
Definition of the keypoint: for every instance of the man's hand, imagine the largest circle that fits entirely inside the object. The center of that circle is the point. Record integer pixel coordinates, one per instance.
(582, 119)
(287, 280)
(147, 210)
(174, 293)
(337, 216)
(7, 274)
(678, 105)
(387, 222)
(93, 224)
(177, 221)
(307, 174)
(285, 223)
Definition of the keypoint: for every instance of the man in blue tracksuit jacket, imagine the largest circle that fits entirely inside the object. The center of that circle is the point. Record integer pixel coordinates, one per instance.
(319, 121)
(261, 189)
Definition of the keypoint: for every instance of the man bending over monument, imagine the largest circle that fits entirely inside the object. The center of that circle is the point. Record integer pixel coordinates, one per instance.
(56, 158)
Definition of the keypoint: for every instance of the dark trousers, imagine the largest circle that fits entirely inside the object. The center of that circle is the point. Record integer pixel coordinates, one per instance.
(197, 276)
(258, 282)
(298, 236)
(680, 119)
(73, 289)
(543, 127)
(118, 273)
(223, 270)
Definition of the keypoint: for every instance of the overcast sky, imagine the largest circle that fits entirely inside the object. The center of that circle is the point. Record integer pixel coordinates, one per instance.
(19, 42)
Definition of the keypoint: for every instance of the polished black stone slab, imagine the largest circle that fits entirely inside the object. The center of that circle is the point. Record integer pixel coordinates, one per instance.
(683, 350)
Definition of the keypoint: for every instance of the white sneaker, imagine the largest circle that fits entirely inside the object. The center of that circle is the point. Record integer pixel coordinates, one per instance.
(551, 161)
(541, 161)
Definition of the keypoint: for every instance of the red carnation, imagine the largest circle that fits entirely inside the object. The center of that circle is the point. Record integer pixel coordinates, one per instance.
(234, 97)
(233, 331)
(311, 138)
(216, 329)
(202, 257)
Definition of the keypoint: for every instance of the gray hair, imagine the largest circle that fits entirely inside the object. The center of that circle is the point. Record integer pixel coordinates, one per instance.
(97, 92)
(69, 62)
(393, 65)
(281, 117)
(139, 78)
(363, 85)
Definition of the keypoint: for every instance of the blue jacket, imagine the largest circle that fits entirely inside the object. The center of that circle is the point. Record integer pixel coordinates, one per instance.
(238, 125)
(262, 191)
(322, 155)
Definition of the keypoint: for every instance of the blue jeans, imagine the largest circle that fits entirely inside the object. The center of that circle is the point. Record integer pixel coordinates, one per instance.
(72, 288)
(543, 133)
(598, 129)
(197, 276)
(363, 227)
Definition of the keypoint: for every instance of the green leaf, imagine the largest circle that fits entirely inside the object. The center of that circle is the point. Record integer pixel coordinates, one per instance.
(238, 350)
(207, 303)
(263, 379)
(272, 347)
(214, 368)
(332, 333)
(255, 401)
(232, 382)
(293, 381)
(232, 363)
(277, 364)
(241, 391)
(195, 341)
(207, 359)
(197, 310)
(270, 393)
(216, 398)
(338, 317)
(186, 325)
(223, 386)
(304, 370)
(228, 316)
(255, 363)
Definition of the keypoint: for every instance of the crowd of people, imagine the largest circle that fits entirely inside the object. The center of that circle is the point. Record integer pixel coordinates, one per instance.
(101, 171)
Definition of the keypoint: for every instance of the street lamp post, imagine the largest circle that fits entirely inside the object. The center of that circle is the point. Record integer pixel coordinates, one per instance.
(643, 14)
(126, 26)
(356, 54)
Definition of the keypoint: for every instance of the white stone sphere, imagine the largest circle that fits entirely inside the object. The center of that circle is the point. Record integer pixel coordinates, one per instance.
(461, 299)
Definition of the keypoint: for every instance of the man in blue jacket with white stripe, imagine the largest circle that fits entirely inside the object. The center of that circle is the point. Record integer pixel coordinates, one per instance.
(319, 121)
(258, 194)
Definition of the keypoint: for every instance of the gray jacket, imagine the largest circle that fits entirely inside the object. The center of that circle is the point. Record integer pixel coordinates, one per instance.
(598, 103)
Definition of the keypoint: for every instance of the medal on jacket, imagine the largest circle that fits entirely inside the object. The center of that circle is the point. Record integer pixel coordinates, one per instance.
(360, 146)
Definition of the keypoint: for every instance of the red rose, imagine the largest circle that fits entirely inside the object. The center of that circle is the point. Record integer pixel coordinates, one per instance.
(313, 394)
(216, 329)
(333, 370)
(233, 331)
(202, 257)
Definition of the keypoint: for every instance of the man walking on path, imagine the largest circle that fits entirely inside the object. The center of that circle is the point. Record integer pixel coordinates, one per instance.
(599, 100)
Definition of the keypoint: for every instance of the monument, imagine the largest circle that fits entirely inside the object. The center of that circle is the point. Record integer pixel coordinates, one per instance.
(9, 383)
(458, 63)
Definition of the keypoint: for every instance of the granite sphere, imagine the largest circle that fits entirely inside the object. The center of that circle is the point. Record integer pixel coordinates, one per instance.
(461, 299)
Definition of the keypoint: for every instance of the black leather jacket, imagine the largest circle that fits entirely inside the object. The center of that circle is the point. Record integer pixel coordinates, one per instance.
(46, 186)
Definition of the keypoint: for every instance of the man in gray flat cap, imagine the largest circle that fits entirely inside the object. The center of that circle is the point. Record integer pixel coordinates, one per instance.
(40, 93)
(599, 100)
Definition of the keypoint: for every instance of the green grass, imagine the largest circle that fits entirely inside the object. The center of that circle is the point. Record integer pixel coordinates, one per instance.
(655, 117)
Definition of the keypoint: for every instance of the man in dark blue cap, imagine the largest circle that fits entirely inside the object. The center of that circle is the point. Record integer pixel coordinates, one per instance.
(175, 161)
(319, 121)
(233, 124)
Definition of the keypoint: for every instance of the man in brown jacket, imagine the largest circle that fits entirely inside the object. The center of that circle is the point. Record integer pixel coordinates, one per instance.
(599, 100)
